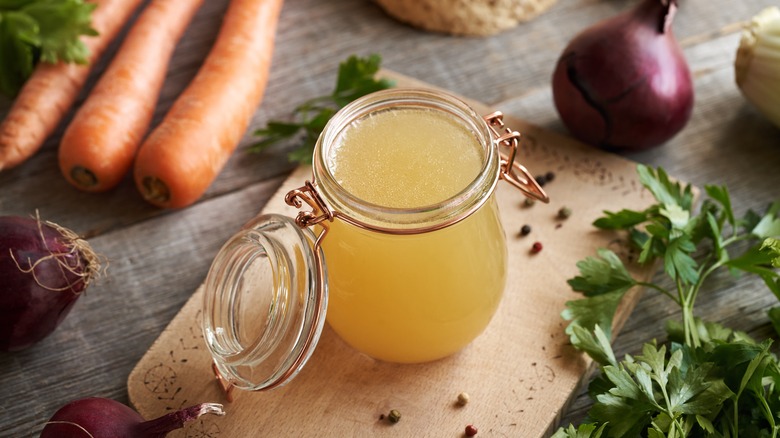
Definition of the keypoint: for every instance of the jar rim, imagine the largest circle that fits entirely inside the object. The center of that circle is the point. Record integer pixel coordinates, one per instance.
(407, 220)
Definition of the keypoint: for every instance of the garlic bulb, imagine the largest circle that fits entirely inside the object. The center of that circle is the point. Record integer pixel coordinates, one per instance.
(757, 66)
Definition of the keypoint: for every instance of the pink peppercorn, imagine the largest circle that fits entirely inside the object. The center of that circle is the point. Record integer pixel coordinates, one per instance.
(471, 430)
(536, 247)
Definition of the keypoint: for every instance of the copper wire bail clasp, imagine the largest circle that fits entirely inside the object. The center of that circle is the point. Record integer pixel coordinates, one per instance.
(308, 194)
(319, 214)
(512, 171)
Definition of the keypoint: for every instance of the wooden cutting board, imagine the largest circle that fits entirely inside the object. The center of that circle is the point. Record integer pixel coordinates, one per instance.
(520, 373)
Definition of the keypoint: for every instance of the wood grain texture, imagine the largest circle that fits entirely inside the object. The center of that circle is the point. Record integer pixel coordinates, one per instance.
(158, 257)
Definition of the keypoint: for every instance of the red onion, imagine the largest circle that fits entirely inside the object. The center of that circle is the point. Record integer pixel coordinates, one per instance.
(44, 268)
(624, 83)
(97, 417)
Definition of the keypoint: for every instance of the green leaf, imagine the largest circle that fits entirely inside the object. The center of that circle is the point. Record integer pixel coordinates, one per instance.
(665, 191)
(717, 238)
(61, 23)
(356, 78)
(705, 424)
(721, 194)
(759, 260)
(771, 246)
(769, 224)
(696, 393)
(585, 430)
(594, 311)
(774, 317)
(595, 343)
(16, 52)
(677, 260)
(624, 219)
(603, 274)
(626, 408)
(40, 30)
(754, 373)
(678, 217)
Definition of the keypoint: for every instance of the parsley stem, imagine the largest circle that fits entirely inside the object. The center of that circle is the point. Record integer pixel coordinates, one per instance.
(669, 412)
(659, 289)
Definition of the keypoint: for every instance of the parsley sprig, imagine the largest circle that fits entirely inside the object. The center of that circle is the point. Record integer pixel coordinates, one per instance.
(40, 30)
(709, 380)
(355, 79)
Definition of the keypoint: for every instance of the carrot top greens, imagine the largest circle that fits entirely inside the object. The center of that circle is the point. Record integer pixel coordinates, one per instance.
(708, 380)
(355, 79)
(40, 30)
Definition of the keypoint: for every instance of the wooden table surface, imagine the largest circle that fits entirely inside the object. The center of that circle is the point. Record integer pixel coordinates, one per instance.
(157, 258)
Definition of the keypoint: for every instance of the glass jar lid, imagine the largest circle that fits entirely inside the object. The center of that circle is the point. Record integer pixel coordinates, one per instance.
(265, 303)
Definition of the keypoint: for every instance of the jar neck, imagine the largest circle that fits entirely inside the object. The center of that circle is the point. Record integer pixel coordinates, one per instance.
(419, 218)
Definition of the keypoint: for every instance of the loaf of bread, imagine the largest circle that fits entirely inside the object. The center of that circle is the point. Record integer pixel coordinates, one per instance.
(464, 17)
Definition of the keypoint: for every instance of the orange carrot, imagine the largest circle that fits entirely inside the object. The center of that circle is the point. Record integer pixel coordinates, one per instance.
(99, 145)
(184, 154)
(52, 89)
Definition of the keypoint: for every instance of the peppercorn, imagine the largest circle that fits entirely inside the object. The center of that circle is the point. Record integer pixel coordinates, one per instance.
(528, 202)
(536, 247)
(525, 230)
(463, 399)
(564, 212)
(471, 430)
(394, 416)
(549, 176)
(541, 180)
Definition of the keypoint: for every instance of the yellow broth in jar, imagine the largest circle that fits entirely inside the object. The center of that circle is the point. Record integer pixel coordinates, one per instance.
(419, 297)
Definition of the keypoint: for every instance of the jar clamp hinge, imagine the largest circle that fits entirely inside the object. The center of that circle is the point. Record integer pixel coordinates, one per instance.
(510, 170)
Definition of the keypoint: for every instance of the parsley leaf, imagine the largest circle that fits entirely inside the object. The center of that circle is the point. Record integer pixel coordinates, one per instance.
(769, 224)
(585, 430)
(605, 274)
(40, 30)
(665, 191)
(356, 78)
(772, 247)
(710, 380)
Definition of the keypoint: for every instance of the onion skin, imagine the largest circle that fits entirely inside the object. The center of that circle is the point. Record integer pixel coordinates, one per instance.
(44, 268)
(98, 417)
(624, 84)
(757, 64)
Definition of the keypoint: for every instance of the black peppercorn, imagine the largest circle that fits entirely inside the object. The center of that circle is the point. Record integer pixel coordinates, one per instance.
(525, 230)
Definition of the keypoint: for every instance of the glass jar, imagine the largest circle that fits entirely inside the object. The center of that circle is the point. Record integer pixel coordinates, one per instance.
(414, 263)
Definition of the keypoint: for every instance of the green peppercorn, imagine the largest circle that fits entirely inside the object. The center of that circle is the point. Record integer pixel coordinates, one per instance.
(564, 212)
(394, 416)
(528, 202)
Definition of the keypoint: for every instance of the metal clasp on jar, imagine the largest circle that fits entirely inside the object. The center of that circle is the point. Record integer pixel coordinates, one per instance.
(511, 171)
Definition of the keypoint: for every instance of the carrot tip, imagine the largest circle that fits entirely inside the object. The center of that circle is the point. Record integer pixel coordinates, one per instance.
(155, 191)
(83, 177)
